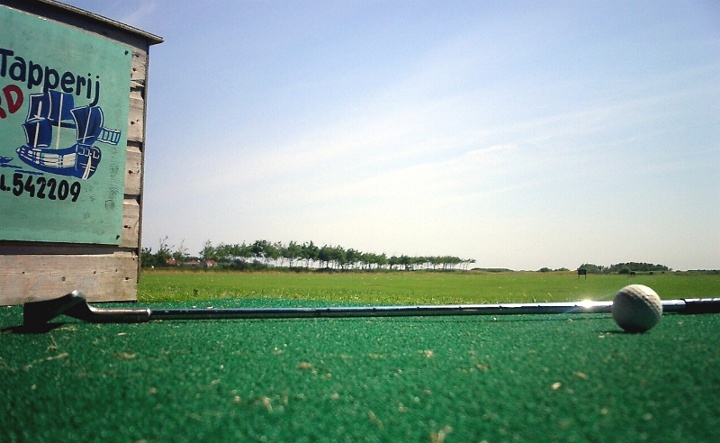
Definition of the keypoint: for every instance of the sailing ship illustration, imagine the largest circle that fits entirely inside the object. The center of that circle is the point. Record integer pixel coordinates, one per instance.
(48, 114)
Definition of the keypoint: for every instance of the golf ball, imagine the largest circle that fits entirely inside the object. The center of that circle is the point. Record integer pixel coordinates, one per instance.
(636, 308)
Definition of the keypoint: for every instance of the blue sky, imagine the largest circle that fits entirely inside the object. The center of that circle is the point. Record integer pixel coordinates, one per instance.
(519, 134)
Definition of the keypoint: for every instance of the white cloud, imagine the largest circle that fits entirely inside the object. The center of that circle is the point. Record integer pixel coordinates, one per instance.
(140, 13)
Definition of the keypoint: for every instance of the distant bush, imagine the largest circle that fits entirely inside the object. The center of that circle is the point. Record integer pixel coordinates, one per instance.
(492, 270)
(700, 271)
(626, 268)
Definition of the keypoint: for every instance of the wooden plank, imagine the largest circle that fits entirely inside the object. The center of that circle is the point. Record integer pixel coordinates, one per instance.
(136, 117)
(130, 234)
(38, 248)
(133, 171)
(100, 277)
(131, 224)
(138, 74)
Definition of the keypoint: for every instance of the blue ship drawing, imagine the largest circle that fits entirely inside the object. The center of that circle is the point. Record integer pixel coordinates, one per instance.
(48, 114)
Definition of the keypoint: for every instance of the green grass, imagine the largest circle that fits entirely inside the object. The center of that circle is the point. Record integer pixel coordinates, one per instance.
(412, 287)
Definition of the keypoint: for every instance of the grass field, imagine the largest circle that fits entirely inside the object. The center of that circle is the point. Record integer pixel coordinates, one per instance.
(460, 379)
(412, 287)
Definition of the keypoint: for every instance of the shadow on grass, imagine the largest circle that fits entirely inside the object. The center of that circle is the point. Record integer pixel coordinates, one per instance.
(40, 329)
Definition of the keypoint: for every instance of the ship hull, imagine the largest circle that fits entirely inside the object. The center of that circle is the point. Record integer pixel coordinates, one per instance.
(78, 161)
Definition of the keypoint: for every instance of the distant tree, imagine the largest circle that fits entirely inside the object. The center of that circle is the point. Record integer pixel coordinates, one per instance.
(352, 257)
(259, 249)
(407, 262)
(242, 252)
(147, 258)
(181, 254)
(164, 252)
(338, 257)
(263, 253)
(292, 252)
(309, 252)
(324, 255)
(272, 253)
(393, 262)
(209, 252)
(381, 260)
(223, 253)
(374, 261)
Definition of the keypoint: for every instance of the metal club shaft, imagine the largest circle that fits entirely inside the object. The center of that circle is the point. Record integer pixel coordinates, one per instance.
(39, 313)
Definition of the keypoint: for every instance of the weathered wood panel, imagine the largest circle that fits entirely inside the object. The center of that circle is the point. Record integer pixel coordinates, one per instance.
(136, 117)
(104, 273)
(133, 171)
(131, 224)
(138, 75)
(100, 277)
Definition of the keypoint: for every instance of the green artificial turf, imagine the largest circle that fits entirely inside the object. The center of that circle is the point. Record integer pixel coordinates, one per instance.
(453, 379)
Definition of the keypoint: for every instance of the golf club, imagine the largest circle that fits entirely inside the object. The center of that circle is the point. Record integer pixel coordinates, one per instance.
(36, 314)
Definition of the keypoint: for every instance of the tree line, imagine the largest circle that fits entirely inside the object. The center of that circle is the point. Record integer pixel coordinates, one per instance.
(624, 268)
(262, 254)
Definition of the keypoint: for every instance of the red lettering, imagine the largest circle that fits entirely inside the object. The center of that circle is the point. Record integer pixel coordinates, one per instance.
(15, 103)
(13, 99)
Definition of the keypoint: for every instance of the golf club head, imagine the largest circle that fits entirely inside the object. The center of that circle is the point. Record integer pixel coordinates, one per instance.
(38, 313)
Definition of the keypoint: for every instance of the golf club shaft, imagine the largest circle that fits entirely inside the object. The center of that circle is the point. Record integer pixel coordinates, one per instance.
(138, 315)
(382, 311)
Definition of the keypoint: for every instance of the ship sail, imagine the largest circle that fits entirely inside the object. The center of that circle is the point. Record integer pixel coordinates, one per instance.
(38, 133)
(51, 111)
(53, 106)
(88, 124)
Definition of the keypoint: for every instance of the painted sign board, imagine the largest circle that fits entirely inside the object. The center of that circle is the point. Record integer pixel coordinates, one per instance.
(64, 99)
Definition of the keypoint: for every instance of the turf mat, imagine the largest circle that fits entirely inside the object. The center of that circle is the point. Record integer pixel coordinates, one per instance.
(462, 379)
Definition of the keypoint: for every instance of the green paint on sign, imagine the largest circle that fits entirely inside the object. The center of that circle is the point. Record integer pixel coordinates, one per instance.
(64, 100)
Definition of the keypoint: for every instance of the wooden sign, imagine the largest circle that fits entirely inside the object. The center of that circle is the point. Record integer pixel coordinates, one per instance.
(64, 98)
(73, 88)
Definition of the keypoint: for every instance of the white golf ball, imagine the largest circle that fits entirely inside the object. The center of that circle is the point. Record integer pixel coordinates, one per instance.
(636, 308)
